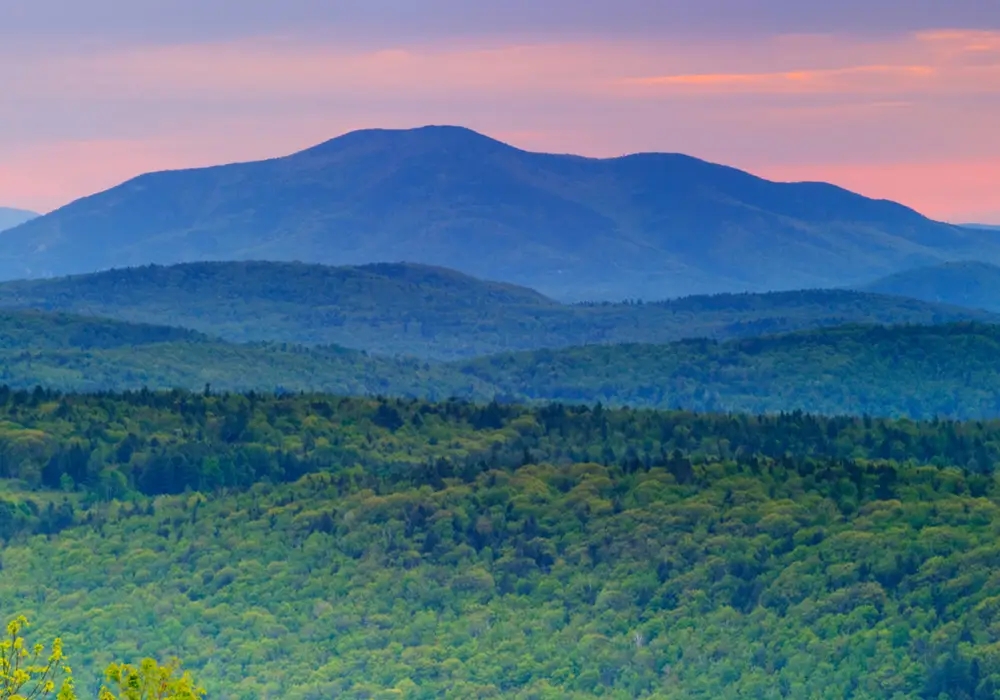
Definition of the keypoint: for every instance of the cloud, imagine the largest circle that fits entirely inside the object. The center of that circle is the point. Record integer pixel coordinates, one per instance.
(873, 79)
(948, 62)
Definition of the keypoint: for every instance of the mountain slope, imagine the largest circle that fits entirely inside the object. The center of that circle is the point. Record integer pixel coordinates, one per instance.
(969, 284)
(433, 312)
(9, 218)
(646, 225)
(915, 371)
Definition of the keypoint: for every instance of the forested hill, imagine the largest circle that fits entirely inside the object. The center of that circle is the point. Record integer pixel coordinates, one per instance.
(918, 371)
(321, 547)
(970, 284)
(915, 371)
(414, 310)
(72, 353)
(648, 226)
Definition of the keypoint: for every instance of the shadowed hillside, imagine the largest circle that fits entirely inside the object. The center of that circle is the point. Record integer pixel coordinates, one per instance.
(433, 312)
(969, 284)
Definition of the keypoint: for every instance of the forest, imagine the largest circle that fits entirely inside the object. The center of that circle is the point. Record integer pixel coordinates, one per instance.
(436, 314)
(921, 372)
(314, 546)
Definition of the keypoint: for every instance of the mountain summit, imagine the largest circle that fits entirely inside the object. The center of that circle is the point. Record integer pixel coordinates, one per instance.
(647, 225)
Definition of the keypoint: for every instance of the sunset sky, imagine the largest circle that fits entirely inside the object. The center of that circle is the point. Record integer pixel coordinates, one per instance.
(892, 98)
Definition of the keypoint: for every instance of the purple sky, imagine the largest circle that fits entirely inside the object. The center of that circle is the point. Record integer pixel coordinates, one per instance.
(894, 98)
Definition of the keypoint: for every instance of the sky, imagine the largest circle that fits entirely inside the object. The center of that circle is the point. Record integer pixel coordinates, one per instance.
(897, 99)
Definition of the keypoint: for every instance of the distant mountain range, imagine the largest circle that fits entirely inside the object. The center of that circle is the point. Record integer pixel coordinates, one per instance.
(435, 313)
(648, 226)
(970, 284)
(9, 218)
(988, 227)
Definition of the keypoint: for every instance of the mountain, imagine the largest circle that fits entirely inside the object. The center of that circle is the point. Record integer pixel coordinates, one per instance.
(969, 284)
(646, 226)
(988, 227)
(435, 313)
(308, 547)
(9, 218)
(915, 371)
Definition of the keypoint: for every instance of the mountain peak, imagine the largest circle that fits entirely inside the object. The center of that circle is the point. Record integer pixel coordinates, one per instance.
(423, 138)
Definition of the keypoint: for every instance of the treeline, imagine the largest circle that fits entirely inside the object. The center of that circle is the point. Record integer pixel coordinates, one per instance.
(152, 443)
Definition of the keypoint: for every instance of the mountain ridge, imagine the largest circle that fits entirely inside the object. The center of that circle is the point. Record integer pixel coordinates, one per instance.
(637, 226)
(435, 313)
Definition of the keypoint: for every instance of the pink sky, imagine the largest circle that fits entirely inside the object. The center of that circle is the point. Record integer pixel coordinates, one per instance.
(910, 116)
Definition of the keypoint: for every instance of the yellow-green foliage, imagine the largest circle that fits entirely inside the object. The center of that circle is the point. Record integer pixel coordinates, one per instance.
(546, 581)
(27, 672)
(149, 681)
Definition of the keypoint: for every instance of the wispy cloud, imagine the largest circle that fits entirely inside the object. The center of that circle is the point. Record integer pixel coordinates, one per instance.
(852, 79)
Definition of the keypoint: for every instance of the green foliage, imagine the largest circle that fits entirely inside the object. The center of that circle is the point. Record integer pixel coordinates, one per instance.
(812, 578)
(308, 547)
(27, 672)
(71, 353)
(432, 312)
(150, 681)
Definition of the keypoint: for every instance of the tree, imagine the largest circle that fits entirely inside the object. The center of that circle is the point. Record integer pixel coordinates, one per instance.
(26, 673)
(150, 681)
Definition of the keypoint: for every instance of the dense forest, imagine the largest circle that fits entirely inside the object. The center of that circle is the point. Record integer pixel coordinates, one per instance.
(434, 313)
(915, 371)
(314, 546)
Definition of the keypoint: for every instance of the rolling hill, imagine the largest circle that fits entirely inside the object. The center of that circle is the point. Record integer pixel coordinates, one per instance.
(648, 226)
(969, 284)
(70, 353)
(415, 310)
(9, 218)
(915, 371)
